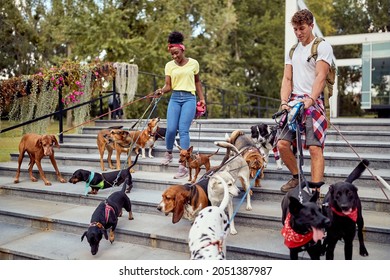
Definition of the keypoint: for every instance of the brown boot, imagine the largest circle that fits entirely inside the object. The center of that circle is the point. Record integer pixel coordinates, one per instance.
(291, 184)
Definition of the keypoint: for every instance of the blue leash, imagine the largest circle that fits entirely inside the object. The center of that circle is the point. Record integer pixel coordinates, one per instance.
(242, 199)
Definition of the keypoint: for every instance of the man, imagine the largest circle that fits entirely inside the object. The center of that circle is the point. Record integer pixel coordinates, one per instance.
(304, 80)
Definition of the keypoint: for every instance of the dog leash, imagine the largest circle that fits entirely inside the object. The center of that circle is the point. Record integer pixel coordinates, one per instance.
(242, 200)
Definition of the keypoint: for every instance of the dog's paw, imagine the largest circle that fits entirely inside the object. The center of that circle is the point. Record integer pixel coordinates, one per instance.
(233, 231)
(363, 251)
(248, 207)
(62, 180)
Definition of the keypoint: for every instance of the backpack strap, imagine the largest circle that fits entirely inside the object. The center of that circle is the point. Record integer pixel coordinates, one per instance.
(292, 50)
(314, 47)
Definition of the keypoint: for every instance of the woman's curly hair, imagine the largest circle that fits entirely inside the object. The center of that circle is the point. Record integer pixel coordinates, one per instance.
(175, 37)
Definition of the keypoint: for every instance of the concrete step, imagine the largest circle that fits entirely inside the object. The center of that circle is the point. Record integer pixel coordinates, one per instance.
(332, 159)
(342, 124)
(157, 231)
(333, 134)
(266, 212)
(68, 163)
(368, 146)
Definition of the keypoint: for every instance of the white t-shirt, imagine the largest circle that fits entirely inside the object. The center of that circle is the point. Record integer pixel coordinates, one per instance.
(303, 71)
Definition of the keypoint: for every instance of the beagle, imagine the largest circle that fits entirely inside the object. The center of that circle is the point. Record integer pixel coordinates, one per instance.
(184, 201)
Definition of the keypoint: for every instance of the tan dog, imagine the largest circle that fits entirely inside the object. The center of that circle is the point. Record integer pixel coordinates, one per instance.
(184, 201)
(145, 139)
(37, 146)
(194, 161)
(250, 152)
(110, 140)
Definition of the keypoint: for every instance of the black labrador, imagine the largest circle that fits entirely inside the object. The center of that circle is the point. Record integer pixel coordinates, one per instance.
(304, 224)
(105, 217)
(98, 181)
(343, 207)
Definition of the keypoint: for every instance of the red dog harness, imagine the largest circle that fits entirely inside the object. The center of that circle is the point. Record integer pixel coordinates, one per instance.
(293, 239)
(107, 211)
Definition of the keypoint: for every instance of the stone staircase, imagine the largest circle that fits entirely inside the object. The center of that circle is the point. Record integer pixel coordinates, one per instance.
(41, 222)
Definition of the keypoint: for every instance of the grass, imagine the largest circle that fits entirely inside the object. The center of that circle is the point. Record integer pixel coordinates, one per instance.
(10, 140)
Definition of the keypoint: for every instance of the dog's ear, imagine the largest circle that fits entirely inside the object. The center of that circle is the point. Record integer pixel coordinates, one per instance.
(38, 144)
(178, 211)
(190, 149)
(54, 139)
(82, 237)
(294, 206)
(331, 189)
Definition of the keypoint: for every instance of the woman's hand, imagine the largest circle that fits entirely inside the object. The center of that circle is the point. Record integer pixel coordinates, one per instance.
(159, 92)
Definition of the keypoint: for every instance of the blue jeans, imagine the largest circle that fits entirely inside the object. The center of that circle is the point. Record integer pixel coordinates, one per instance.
(180, 113)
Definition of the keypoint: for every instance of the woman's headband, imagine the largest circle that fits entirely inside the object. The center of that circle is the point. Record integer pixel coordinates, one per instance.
(180, 46)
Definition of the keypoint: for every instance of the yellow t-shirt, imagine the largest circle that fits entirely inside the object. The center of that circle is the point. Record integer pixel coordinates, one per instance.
(182, 77)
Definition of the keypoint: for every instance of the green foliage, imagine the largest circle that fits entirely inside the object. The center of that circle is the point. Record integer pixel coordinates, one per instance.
(239, 44)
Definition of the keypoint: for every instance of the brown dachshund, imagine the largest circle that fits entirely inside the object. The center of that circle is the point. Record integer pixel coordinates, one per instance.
(37, 146)
(194, 161)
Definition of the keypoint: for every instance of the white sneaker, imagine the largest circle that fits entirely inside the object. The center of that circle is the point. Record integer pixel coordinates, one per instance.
(182, 172)
(167, 158)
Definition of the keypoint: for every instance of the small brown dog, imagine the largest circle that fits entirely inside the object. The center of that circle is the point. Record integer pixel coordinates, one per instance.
(113, 139)
(250, 152)
(194, 161)
(144, 139)
(37, 146)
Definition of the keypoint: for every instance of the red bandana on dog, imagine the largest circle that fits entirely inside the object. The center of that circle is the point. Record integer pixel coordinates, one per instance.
(293, 239)
(352, 215)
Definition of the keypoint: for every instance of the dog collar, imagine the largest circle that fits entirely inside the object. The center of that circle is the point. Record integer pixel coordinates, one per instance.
(96, 224)
(292, 239)
(215, 243)
(353, 215)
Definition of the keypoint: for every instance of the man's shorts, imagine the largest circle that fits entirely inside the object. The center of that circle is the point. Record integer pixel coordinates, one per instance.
(311, 140)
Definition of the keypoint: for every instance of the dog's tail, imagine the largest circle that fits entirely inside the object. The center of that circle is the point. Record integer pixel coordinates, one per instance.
(357, 172)
(213, 154)
(225, 200)
(134, 162)
(227, 145)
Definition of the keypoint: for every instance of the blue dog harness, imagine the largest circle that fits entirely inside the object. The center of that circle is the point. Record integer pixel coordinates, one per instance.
(88, 183)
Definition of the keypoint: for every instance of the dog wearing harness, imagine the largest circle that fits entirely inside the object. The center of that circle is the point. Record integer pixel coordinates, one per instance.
(98, 181)
(105, 217)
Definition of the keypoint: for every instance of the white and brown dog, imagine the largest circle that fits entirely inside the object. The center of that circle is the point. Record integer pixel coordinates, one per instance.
(207, 236)
(238, 169)
(264, 136)
(184, 201)
(216, 192)
(146, 138)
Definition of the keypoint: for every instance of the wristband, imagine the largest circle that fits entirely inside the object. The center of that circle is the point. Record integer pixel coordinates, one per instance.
(314, 102)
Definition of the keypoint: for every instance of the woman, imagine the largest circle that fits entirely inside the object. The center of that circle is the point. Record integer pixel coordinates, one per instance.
(182, 77)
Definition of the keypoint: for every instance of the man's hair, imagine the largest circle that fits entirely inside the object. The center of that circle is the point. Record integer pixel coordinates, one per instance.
(302, 17)
(175, 37)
